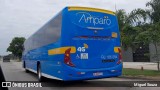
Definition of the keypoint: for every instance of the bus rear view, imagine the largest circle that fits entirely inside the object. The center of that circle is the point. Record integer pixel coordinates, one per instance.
(94, 40)
(79, 43)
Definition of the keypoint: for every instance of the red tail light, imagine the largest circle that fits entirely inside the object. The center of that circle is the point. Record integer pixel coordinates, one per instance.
(67, 59)
(120, 56)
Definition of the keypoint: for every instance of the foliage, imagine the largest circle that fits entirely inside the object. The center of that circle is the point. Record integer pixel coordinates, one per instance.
(127, 23)
(154, 31)
(16, 46)
(144, 35)
(141, 26)
(154, 11)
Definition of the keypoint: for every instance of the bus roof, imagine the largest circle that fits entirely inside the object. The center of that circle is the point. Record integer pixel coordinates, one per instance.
(73, 8)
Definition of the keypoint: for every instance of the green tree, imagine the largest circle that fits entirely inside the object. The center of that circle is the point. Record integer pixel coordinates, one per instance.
(16, 46)
(151, 35)
(151, 30)
(127, 25)
(154, 16)
(154, 11)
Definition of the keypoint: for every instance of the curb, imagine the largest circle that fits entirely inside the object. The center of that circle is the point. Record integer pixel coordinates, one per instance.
(140, 77)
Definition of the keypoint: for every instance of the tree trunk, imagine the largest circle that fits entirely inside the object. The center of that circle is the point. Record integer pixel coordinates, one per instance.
(157, 56)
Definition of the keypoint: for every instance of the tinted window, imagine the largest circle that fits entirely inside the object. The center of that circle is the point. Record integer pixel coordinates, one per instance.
(48, 34)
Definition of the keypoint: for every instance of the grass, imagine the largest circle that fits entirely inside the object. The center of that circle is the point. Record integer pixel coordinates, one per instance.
(137, 72)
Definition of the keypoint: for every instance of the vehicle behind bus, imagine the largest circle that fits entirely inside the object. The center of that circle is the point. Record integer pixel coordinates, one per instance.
(81, 43)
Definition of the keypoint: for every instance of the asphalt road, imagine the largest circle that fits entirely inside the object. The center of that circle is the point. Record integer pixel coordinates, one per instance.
(13, 71)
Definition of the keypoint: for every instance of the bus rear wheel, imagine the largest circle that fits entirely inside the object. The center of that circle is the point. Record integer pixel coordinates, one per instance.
(24, 66)
(39, 73)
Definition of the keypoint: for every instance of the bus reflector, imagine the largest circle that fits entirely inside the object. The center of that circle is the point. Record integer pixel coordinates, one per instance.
(116, 49)
(114, 35)
(67, 58)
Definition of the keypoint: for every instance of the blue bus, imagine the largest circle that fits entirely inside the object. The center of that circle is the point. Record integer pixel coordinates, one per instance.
(79, 43)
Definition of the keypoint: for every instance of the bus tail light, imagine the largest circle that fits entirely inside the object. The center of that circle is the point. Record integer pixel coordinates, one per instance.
(120, 56)
(67, 58)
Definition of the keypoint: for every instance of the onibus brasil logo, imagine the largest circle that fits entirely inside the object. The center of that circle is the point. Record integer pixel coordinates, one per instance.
(95, 20)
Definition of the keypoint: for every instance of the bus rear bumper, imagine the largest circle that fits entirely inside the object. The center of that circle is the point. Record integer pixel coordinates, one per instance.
(72, 74)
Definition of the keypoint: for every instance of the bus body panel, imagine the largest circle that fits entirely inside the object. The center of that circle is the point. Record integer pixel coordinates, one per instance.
(93, 38)
(85, 74)
(37, 46)
(100, 45)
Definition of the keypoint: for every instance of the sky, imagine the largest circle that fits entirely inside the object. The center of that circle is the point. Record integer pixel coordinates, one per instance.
(21, 18)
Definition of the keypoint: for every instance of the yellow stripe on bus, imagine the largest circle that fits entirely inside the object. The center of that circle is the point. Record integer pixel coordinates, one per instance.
(61, 50)
(116, 49)
(91, 9)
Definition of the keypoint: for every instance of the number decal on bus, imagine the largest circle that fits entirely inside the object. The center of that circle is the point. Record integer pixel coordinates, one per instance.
(81, 49)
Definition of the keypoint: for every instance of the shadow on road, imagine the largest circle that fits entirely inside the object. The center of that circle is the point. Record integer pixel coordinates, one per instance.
(87, 83)
(2, 79)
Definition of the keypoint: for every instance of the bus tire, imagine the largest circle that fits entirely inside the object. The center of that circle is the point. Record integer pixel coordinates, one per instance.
(24, 66)
(39, 73)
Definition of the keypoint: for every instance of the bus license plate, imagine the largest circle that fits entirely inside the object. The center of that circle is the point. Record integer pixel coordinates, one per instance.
(98, 74)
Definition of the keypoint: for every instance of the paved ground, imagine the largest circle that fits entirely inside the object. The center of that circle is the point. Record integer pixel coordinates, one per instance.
(13, 71)
(138, 65)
